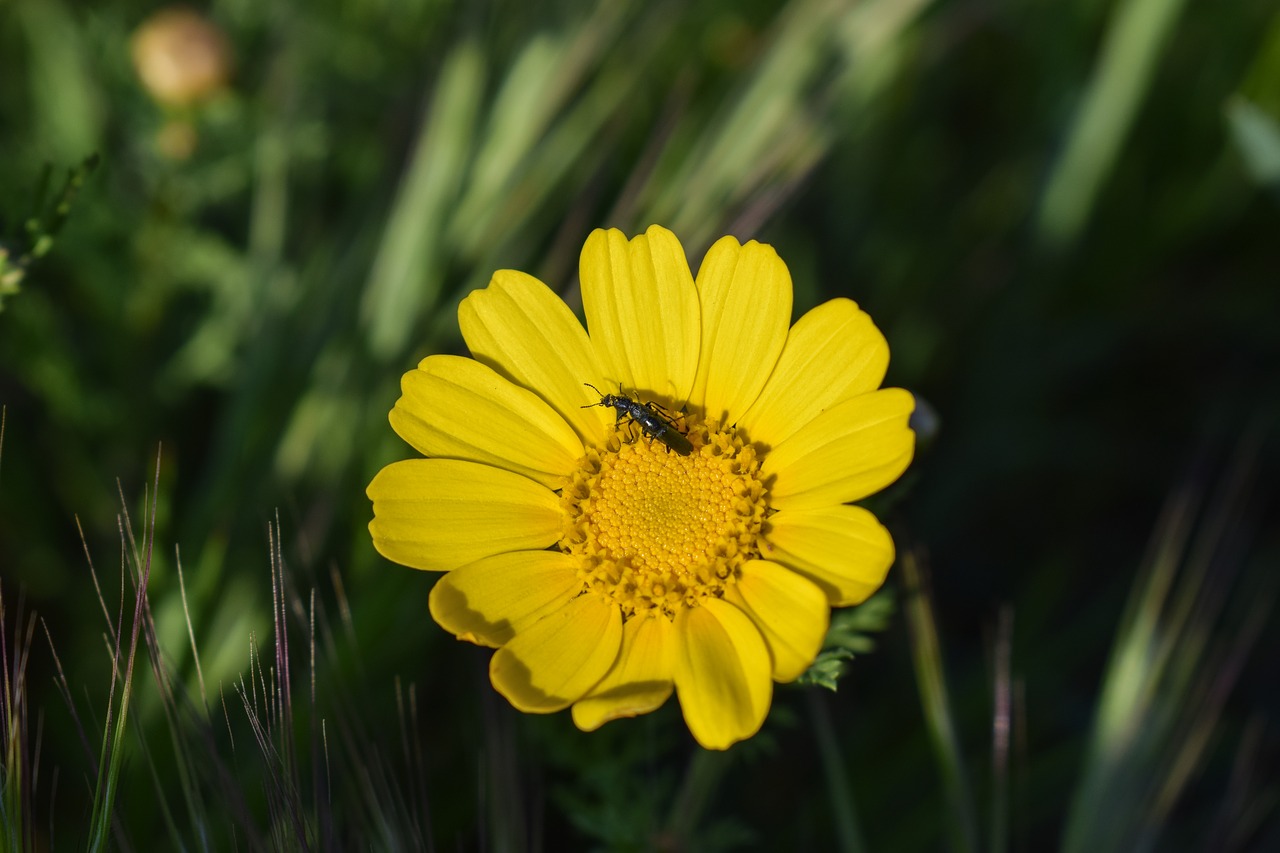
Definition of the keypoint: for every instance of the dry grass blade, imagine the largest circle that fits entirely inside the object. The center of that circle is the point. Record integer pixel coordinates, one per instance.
(18, 761)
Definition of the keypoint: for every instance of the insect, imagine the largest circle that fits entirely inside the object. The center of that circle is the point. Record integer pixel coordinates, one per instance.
(653, 419)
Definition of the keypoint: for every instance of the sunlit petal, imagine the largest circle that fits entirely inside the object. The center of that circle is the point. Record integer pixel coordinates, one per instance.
(832, 353)
(491, 600)
(439, 514)
(745, 292)
(555, 661)
(640, 680)
(722, 673)
(790, 611)
(526, 333)
(642, 312)
(843, 549)
(457, 408)
(848, 452)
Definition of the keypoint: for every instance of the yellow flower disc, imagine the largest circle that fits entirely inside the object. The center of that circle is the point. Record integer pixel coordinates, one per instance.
(657, 531)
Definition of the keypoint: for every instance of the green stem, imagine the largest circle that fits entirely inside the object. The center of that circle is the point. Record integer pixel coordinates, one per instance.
(843, 808)
(927, 657)
(701, 778)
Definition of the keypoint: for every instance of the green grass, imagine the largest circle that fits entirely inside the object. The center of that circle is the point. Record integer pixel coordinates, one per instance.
(1062, 217)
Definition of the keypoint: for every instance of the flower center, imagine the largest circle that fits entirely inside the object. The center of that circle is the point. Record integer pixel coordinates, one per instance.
(660, 531)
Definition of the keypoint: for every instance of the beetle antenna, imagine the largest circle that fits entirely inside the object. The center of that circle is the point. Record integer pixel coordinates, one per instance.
(597, 390)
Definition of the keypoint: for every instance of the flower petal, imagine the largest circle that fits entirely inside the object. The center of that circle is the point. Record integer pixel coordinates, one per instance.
(843, 549)
(791, 612)
(851, 450)
(458, 408)
(640, 680)
(553, 663)
(526, 333)
(491, 600)
(722, 673)
(832, 353)
(642, 311)
(746, 308)
(439, 514)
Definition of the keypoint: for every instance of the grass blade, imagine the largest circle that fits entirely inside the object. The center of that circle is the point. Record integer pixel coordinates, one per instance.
(926, 653)
(1135, 38)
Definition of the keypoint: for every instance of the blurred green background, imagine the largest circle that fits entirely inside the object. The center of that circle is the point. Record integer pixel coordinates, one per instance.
(1064, 216)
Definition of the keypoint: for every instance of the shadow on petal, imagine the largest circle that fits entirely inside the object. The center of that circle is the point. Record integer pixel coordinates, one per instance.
(446, 598)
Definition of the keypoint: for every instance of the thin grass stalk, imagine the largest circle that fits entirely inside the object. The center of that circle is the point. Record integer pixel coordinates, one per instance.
(1204, 714)
(283, 684)
(113, 733)
(505, 807)
(843, 807)
(281, 815)
(272, 720)
(161, 799)
(99, 819)
(64, 688)
(701, 779)
(962, 824)
(19, 776)
(1001, 733)
(1021, 765)
(411, 752)
(418, 771)
(175, 725)
(321, 792)
(1197, 612)
(1168, 679)
(14, 818)
(386, 812)
(191, 633)
(97, 587)
(1242, 809)
(199, 764)
(12, 730)
(380, 813)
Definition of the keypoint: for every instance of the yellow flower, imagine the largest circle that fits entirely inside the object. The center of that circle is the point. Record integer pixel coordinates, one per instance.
(606, 569)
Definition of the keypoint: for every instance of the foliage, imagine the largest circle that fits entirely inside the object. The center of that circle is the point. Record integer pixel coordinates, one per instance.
(1062, 216)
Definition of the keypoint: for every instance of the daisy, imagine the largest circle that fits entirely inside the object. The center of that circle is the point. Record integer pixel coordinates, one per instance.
(610, 567)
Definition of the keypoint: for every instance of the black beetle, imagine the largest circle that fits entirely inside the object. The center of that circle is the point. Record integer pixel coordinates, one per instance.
(651, 417)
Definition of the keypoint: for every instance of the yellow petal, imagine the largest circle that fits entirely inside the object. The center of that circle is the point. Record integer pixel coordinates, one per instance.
(832, 353)
(554, 662)
(458, 408)
(640, 680)
(841, 548)
(851, 450)
(791, 612)
(722, 672)
(642, 311)
(526, 333)
(745, 293)
(439, 514)
(491, 600)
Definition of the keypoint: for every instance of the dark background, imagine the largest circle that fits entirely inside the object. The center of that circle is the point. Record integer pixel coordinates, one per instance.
(1063, 216)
